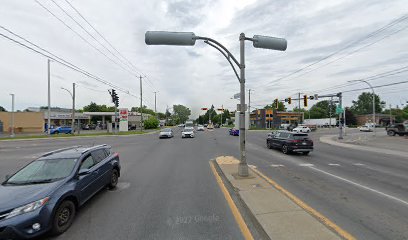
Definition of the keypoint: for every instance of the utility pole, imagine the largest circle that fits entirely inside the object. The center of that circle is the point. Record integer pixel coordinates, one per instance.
(49, 99)
(243, 166)
(390, 115)
(330, 112)
(344, 117)
(167, 109)
(340, 95)
(12, 115)
(141, 109)
(155, 110)
(222, 111)
(73, 109)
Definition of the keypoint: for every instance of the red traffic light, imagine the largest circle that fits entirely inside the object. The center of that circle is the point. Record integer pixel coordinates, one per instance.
(204, 109)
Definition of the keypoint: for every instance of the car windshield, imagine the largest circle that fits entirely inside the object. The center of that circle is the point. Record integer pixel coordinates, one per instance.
(188, 129)
(43, 170)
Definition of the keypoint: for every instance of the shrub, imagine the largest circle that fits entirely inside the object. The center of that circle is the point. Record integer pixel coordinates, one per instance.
(151, 123)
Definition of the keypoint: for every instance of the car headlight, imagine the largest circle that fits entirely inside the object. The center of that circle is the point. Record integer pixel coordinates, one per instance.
(28, 208)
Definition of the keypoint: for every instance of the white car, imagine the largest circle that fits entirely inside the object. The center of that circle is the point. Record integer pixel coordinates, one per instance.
(200, 128)
(166, 133)
(365, 128)
(301, 129)
(187, 132)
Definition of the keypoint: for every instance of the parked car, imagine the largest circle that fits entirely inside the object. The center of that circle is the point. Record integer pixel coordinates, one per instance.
(217, 125)
(210, 126)
(234, 132)
(200, 128)
(45, 195)
(187, 132)
(166, 133)
(290, 142)
(301, 129)
(62, 129)
(180, 125)
(205, 125)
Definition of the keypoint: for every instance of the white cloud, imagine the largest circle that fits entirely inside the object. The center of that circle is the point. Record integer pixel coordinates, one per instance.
(197, 76)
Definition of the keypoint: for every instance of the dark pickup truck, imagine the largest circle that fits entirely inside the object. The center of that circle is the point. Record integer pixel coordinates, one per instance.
(400, 129)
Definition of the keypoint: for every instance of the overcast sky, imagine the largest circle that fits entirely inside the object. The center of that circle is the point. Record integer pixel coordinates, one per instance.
(200, 76)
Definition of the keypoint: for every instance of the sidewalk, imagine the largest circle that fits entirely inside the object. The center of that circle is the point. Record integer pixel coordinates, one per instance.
(278, 212)
(381, 143)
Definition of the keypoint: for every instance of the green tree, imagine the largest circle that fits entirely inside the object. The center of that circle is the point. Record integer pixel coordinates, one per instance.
(93, 107)
(322, 110)
(281, 106)
(151, 123)
(2, 109)
(181, 113)
(161, 116)
(364, 104)
(350, 117)
(144, 110)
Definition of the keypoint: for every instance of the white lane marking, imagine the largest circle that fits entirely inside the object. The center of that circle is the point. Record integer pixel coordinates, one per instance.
(334, 164)
(251, 166)
(306, 165)
(358, 164)
(277, 165)
(361, 186)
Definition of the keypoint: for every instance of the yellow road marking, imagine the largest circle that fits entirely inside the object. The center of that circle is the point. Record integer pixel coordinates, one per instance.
(237, 215)
(344, 234)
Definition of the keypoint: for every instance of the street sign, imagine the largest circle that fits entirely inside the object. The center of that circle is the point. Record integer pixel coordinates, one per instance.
(339, 110)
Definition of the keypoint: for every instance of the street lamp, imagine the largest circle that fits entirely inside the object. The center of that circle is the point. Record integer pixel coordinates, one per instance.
(189, 39)
(73, 107)
(372, 89)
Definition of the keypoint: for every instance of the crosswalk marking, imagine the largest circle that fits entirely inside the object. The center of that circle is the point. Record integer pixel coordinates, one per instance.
(358, 164)
(306, 165)
(334, 164)
(277, 165)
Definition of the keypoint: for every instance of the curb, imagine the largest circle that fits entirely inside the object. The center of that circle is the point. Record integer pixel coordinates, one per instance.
(328, 139)
(76, 137)
(254, 226)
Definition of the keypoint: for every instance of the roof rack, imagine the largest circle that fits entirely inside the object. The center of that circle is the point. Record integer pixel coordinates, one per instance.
(59, 150)
(93, 147)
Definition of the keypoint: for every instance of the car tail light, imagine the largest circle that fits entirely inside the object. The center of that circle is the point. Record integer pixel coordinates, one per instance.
(116, 154)
(296, 141)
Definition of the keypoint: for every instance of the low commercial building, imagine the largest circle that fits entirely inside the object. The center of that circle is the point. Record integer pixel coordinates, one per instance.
(270, 118)
(380, 119)
(24, 122)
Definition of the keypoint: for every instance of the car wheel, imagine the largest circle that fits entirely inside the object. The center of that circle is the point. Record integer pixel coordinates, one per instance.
(114, 179)
(63, 217)
(306, 153)
(285, 149)
(391, 133)
(268, 144)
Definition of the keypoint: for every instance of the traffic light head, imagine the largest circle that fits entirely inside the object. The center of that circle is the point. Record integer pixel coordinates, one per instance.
(276, 103)
(289, 100)
(305, 100)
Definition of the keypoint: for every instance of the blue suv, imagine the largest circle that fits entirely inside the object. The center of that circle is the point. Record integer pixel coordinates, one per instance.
(45, 194)
(62, 129)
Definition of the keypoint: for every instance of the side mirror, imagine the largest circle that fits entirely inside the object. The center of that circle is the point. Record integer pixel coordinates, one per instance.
(83, 172)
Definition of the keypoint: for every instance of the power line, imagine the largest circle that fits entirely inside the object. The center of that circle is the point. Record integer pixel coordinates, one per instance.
(61, 61)
(392, 23)
(378, 86)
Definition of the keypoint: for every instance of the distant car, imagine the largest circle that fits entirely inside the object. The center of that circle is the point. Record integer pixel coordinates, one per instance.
(301, 129)
(62, 129)
(289, 142)
(200, 128)
(365, 128)
(210, 126)
(234, 132)
(187, 132)
(166, 133)
(180, 125)
(217, 125)
(205, 125)
(45, 195)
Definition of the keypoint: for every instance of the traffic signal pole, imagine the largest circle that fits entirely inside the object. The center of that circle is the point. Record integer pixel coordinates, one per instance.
(141, 109)
(340, 95)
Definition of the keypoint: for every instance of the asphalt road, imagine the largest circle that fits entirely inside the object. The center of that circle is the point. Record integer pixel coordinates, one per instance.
(167, 189)
(364, 193)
